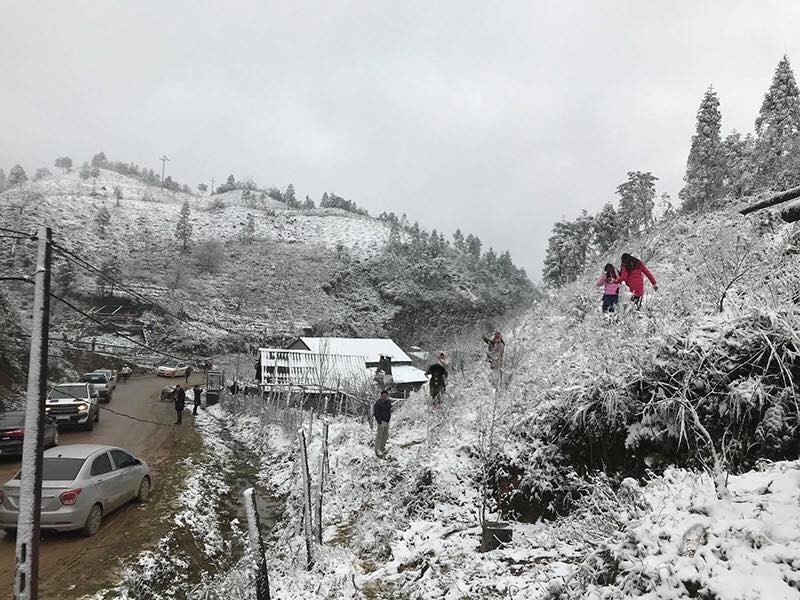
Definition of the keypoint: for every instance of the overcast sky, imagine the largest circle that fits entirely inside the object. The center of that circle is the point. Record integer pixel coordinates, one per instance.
(494, 117)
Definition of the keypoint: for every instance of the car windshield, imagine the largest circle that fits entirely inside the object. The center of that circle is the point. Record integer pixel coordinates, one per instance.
(95, 378)
(59, 469)
(72, 392)
(12, 419)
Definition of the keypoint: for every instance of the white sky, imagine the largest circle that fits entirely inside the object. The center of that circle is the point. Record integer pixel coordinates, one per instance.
(495, 117)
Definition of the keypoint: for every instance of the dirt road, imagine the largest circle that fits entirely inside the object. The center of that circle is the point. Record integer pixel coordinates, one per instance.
(72, 565)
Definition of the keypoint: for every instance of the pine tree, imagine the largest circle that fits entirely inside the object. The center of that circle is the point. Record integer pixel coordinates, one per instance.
(99, 160)
(778, 131)
(458, 240)
(65, 277)
(16, 176)
(705, 166)
(473, 244)
(308, 203)
(102, 220)
(324, 201)
(606, 228)
(65, 162)
(568, 250)
(42, 173)
(183, 230)
(740, 172)
(636, 202)
(249, 229)
(3, 181)
(290, 198)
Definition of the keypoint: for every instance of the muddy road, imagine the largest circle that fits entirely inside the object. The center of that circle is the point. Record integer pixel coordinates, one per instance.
(71, 565)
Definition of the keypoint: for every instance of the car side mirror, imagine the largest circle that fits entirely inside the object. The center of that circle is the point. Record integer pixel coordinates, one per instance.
(136, 462)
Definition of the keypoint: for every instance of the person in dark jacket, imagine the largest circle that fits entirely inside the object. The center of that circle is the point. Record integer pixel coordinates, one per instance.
(438, 376)
(383, 412)
(180, 403)
(188, 372)
(197, 392)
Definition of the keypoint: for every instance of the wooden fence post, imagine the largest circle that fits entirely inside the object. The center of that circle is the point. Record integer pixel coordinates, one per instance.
(307, 525)
(256, 545)
(323, 460)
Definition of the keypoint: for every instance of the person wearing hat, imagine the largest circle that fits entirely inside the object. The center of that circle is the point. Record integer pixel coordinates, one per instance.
(437, 373)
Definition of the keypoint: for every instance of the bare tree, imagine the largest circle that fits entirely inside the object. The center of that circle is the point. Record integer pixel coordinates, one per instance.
(724, 263)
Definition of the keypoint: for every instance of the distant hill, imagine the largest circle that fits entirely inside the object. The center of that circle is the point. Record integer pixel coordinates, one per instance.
(255, 271)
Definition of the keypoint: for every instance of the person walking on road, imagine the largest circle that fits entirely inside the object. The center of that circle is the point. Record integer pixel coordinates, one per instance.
(197, 392)
(180, 403)
(438, 375)
(188, 372)
(383, 412)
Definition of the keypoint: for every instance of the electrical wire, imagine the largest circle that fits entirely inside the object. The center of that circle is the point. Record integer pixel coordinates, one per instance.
(30, 236)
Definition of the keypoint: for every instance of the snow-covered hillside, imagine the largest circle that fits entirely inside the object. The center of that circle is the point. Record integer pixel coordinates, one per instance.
(648, 454)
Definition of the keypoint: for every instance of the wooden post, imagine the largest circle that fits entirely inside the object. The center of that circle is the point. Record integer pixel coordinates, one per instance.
(301, 438)
(325, 448)
(778, 198)
(321, 482)
(256, 545)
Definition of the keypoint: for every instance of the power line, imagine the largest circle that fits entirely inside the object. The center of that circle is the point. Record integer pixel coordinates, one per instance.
(30, 236)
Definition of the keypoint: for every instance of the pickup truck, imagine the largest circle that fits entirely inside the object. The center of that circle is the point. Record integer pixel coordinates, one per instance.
(103, 381)
(73, 404)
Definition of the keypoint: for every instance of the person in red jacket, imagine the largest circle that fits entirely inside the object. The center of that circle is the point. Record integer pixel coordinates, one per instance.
(632, 272)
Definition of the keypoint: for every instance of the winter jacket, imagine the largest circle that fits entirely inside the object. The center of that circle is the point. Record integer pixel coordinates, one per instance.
(382, 410)
(197, 393)
(635, 278)
(180, 398)
(438, 375)
(610, 286)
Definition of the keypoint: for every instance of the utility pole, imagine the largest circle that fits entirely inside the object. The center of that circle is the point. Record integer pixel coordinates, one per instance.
(26, 578)
(163, 160)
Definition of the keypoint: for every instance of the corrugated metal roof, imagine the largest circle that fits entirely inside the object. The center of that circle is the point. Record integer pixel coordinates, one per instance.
(370, 348)
(408, 374)
(305, 368)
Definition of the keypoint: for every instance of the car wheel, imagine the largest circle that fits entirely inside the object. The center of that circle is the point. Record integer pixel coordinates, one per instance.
(55, 439)
(89, 424)
(97, 415)
(93, 520)
(10, 532)
(144, 491)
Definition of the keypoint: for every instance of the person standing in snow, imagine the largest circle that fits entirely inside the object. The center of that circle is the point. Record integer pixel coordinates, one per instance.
(197, 392)
(632, 272)
(438, 376)
(497, 348)
(383, 412)
(180, 403)
(608, 281)
(188, 372)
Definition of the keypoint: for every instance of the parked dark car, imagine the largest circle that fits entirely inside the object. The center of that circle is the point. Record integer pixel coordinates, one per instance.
(12, 432)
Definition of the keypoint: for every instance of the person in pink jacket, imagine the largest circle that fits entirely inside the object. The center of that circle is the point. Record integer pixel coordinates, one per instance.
(608, 281)
(632, 272)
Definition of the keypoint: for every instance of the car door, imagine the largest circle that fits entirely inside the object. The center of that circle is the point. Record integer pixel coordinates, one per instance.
(106, 481)
(125, 465)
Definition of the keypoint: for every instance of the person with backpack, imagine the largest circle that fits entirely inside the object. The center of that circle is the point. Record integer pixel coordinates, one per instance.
(438, 376)
(632, 272)
(383, 413)
(608, 281)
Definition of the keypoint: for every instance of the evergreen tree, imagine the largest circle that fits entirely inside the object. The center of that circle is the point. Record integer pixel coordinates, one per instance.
(740, 172)
(458, 240)
(324, 201)
(41, 173)
(102, 220)
(231, 181)
(568, 250)
(666, 208)
(705, 166)
(65, 162)
(473, 244)
(308, 204)
(64, 277)
(16, 176)
(778, 131)
(636, 202)
(249, 229)
(3, 181)
(606, 228)
(183, 230)
(505, 266)
(490, 258)
(99, 160)
(290, 198)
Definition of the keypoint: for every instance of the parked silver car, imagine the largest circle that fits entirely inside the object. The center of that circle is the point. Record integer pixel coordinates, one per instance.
(81, 483)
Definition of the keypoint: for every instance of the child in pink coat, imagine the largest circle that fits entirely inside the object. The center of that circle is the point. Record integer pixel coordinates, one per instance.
(608, 281)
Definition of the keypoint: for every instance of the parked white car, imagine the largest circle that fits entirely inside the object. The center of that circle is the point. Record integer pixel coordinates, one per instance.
(74, 404)
(177, 370)
(81, 484)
